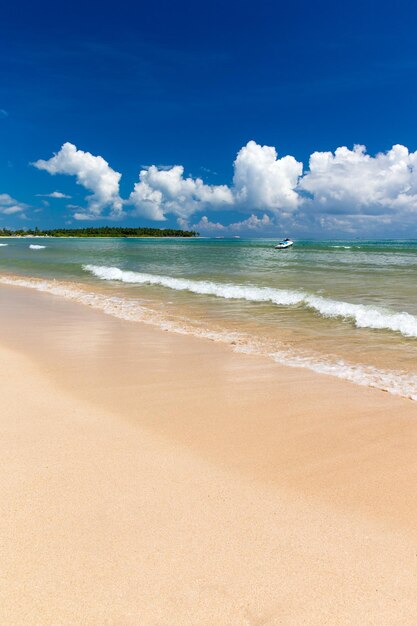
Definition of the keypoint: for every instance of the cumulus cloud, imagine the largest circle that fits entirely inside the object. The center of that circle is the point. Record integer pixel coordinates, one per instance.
(340, 191)
(253, 222)
(262, 181)
(10, 206)
(204, 225)
(93, 173)
(162, 191)
(54, 194)
(348, 182)
(352, 181)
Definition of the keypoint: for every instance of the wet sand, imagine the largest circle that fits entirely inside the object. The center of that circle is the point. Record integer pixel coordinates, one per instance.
(152, 478)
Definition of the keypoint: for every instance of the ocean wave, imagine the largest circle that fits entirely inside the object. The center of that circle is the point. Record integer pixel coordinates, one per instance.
(3, 244)
(395, 382)
(34, 246)
(363, 316)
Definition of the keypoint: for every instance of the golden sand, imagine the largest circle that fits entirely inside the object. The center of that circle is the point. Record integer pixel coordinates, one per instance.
(155, 479)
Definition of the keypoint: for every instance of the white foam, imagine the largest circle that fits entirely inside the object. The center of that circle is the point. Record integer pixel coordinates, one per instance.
(3, 244)
(394, 382)
(363, 316)
(35, 246)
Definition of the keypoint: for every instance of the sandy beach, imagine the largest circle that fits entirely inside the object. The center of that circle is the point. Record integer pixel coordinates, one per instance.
(152, 479)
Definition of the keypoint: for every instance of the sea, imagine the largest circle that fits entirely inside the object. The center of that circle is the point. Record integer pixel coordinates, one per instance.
(346, 309)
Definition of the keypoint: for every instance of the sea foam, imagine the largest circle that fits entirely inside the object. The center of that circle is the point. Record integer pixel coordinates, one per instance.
(363, 316)
(395, 382)
(35, 246)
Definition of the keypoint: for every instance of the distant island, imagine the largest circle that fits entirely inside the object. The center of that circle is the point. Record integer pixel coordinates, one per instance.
(104, 231)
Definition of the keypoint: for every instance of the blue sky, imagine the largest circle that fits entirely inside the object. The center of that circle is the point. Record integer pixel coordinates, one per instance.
(190, 84)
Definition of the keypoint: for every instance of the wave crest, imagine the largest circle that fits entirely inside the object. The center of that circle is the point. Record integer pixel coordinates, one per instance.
(363, 316)
(395, 382)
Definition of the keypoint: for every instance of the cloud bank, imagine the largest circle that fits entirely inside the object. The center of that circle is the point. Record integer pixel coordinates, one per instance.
(341, 191)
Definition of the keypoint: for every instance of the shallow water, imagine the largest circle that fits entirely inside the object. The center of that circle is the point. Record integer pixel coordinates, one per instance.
(345, 308)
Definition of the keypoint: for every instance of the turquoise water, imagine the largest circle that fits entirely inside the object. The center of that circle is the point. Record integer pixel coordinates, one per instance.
(346, 308)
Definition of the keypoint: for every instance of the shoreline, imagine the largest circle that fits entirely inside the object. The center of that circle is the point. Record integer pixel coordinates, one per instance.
(395, 382)
(154, 478)
(101, 357)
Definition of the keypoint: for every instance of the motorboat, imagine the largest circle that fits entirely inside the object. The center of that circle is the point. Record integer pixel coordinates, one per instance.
(285, 243)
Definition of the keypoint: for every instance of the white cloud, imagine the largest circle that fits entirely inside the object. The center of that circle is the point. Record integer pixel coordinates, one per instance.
(10, 206)
(205, 225)
(348, 182)
(334, 194)
(54, 194)
(351, 181)
(93, 173)
(79, 215)
(10, 210)
(262, 181)
(253, 222)
(162, 191)
(5, 199)
(147, 200)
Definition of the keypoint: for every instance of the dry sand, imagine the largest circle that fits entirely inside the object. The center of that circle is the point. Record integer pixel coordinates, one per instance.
(154, 479)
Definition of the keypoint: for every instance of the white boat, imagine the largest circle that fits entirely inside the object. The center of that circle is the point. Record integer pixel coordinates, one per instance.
(286, 243)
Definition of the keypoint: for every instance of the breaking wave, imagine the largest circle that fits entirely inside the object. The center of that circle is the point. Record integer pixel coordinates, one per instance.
(363, 316)
(395, 382)
(35, 246)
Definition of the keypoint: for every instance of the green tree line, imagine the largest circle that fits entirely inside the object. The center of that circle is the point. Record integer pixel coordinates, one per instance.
(103, 231)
